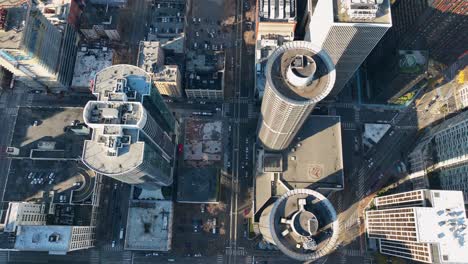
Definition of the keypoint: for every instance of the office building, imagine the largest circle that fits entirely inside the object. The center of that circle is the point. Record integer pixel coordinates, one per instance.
(461, 96)
(276, 18)
(129, 143)
(100, 22)
(149, 225)
(438, 28)
(36, 227)
(298, 75)
(166, 78)
(23, 213)
(37, 44)
(205, 85)
(441, 155)
(347, 31)
(57, 240)
(168, 81)
(423, 225)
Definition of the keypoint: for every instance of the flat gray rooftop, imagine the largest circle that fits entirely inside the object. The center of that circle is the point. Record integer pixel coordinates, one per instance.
(53, 130)
(36, 238)
(198, 185)
(315, 158)
(149, 225)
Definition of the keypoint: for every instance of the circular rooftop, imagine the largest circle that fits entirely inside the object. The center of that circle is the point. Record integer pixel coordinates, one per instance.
(300, 72)
(304, 225)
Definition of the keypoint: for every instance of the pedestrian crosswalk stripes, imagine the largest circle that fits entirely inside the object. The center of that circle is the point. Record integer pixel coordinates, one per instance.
(109, 247)
(348, 126)
(4, 256)
(240, 251)
(220, 259)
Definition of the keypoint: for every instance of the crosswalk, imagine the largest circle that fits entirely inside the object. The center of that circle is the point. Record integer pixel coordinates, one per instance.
(348, 126)
(4, 256)
(239, 251)
(342, 259)
(94, 256)
(252, 113)
(352, 252)
(344, 105)
(127, 256)
(357, 116)
(219, 259)
(109, 248)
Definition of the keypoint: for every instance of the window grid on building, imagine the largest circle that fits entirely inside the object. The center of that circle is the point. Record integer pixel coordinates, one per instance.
(415, 251)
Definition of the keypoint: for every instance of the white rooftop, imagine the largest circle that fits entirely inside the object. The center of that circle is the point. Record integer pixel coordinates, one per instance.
(36, 238)
(444, 224)
(113, 150)
(108, 113)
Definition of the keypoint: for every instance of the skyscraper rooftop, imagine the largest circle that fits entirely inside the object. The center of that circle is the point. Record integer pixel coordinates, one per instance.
(302, 223)
(300, 73)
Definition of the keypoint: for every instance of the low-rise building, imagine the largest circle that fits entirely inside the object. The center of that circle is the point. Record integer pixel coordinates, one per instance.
(90, 61)
(100, 22)
(166, 78)
(149, 225)
(205, 85)
(168, 81)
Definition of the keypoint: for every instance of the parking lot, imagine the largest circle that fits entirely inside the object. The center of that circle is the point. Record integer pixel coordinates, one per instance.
(43, 180)
(166, 19)
(209, 26)
(193, 229)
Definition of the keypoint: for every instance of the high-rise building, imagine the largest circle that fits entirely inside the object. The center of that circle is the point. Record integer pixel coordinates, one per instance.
(130, 142)
(437, 28)
(348, 31)
(297, 222)
(298, 75)
(423, 225)
(441, 155)
(37, 44)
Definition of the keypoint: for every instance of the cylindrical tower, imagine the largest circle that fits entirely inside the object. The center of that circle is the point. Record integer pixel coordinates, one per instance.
(302, 223)
(299, 75)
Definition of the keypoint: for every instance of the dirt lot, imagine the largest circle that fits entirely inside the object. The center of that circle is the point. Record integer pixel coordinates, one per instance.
(187, 241)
